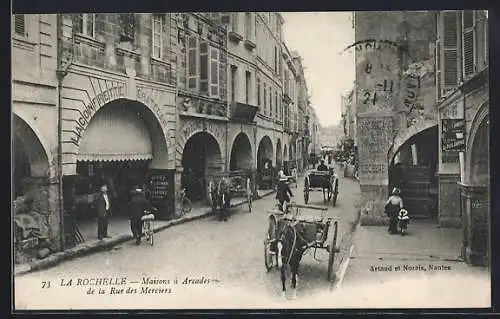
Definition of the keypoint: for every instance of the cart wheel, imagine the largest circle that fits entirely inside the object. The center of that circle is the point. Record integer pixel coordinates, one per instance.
(335, 193)
(306, 190)
(270, 239)
(249, 195)
(332, 250)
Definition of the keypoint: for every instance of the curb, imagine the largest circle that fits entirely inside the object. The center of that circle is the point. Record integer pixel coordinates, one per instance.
(344, 264)
(93, 247)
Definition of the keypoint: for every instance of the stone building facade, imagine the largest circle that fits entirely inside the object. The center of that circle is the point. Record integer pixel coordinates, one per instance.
(35, 161)
(395, 108)
(462, 93)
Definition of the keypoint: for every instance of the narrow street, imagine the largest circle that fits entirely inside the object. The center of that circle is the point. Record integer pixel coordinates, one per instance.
(231, 252)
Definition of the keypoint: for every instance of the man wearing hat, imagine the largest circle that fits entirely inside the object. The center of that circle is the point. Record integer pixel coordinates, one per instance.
(103, 206)
(283, 189)
(138, 204)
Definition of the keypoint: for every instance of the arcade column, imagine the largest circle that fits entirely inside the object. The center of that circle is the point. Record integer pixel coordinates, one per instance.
(375, 136)
(475, 207)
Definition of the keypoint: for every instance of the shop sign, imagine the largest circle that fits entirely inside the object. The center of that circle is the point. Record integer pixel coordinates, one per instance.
(452, 139)
(92, 107)
(160, 190)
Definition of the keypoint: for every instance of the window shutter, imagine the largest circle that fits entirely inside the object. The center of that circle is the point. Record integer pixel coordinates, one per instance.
(438, 69)
(193, 63)
(468, 43)
(20, 24)
(450, 49)
(258, 92)
(203, 67)
(235, 22)
(214, 72)
(90, 18)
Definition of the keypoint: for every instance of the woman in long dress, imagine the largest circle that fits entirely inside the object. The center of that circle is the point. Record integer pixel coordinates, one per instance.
(392, 207)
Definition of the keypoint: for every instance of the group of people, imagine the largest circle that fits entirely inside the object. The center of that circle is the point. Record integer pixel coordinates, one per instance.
(398, 215)
(137, 207)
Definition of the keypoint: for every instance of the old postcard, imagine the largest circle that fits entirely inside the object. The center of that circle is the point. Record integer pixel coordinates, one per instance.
(251, 160)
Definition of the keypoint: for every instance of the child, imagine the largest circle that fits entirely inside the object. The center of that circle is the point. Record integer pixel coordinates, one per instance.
(403, 220)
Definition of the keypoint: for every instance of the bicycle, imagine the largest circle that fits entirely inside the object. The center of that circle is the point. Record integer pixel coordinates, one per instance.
(184, 204)
(148, 226)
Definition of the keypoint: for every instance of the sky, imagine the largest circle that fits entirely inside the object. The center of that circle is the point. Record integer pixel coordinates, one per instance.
(320, 37)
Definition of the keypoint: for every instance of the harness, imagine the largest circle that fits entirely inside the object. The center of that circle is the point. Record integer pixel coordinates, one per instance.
(296, 235)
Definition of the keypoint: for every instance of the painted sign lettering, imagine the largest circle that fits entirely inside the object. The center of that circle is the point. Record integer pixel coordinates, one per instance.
(145, 98)
(373, 44)
(452, 139)
(92, 107)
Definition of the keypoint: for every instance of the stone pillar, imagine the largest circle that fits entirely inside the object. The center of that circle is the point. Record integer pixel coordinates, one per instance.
(475, 209)
(45, 194)
(374, 140)
(449, 201)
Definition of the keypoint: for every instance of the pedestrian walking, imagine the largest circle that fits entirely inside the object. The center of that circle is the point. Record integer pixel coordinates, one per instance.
(392, 207)
(138, 204)
(103, 206)
(283, 193)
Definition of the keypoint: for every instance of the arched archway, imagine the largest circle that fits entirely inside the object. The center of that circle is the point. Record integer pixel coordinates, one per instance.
(201, 157)
(279, 155)
(479, 155)
(241, 153)
(264, 151)
(121, 143)
(30, 160)
(413, 169)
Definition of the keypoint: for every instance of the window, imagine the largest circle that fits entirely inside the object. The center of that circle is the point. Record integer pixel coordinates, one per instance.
(234, 71)
(276, 59)
(20, 25)
(468, 43)
(248, 26)
(157, 27)
(276, 105)
(259, 102)
(86, 24)
(248, 78)
(270, 101)
(265, 99)
(235, 22)
(127, 24)
(202, 67)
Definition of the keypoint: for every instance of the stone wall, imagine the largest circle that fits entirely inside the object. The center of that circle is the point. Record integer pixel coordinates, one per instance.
(449, 201)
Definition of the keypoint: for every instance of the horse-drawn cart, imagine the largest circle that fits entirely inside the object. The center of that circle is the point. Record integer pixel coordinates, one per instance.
(241, 186)
(225, 186)
(326, 181)
(301, 228)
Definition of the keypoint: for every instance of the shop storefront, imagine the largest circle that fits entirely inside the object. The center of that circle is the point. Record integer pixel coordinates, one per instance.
(117, 137)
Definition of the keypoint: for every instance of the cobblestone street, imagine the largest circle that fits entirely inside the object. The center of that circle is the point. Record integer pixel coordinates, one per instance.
(231, 252)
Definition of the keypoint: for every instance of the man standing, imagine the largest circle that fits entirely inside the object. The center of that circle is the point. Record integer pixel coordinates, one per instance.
(103, 206)
(322, 167)
(138, 205)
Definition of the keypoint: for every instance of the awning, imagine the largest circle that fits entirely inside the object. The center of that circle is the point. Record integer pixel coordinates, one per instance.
(115, 136)
(243, 112)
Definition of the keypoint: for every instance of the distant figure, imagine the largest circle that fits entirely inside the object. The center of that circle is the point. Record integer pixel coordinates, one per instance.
(283, 193)
(322, 167)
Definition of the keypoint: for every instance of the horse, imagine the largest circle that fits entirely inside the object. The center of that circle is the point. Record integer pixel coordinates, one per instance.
(291, 246)
(221, 198)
